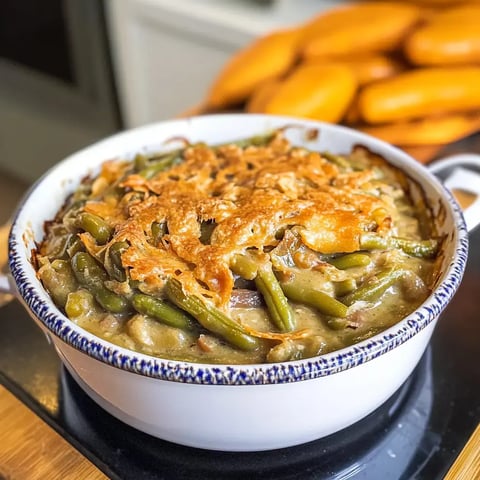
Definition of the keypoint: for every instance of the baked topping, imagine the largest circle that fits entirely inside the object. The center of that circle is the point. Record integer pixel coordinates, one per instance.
(249, 196)
(260, 244)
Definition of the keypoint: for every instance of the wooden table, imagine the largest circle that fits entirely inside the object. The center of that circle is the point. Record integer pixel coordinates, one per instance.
(31, 450)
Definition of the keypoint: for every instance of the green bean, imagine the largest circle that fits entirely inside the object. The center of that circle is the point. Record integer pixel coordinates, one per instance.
(267, 284)
(117, 269)
(415, 248)
(59, 280)
(74, 245)
(344, 286)
(160, 310)
(245, 266)
(206, 230)
(140, 162)
(92, 276)
(256, 141)
(277, 304)
(95, 226)
(421, 248)
(110, 301)
(371, 241)
(373, 288)
(158, 231)
(157, 166)
(338, 160)
(80, 303)
(350, 260)
(114, 193)
(210, 317)
(317, 299)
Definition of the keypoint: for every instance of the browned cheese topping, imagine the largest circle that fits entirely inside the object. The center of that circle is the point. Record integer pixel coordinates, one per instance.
(248, 198)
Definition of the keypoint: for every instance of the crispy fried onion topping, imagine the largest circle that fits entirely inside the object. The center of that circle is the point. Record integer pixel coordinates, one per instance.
(247, 197)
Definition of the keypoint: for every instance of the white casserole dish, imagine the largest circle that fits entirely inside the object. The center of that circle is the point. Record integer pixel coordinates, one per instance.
(234, 407)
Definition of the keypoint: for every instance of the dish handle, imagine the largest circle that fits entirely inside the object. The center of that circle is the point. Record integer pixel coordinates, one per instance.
(460, 173)
(6, 288)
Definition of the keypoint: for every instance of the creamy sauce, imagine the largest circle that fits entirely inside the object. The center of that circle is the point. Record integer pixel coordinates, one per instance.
(109, 251)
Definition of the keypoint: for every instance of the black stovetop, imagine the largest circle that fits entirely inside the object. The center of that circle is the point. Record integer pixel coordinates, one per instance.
(417, 434)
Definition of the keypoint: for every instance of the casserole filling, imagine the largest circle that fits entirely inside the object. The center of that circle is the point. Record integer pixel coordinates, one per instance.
(249, 252)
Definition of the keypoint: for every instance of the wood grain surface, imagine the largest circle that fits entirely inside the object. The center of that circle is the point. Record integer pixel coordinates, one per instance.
(31, 450)
(467, 464)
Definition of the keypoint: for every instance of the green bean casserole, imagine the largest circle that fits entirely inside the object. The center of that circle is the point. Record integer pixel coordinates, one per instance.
(248, 252)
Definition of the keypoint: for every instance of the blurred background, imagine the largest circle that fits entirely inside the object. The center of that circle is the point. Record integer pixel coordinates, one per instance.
(74, 71)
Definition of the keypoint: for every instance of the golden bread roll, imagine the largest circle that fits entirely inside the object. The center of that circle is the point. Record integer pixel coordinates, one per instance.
(262, 95)
(321, 92)
(421, 92)
(456, 13)
(427, 131)
(450, 37)
(370, 68)
(359, 28)
(268, 57)
(367, 68)
(443, 3)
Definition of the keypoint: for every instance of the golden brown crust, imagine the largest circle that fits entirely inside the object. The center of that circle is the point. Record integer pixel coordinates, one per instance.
(251, 195)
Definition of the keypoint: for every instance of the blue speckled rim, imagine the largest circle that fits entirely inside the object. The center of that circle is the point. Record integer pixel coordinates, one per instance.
(41, 306)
